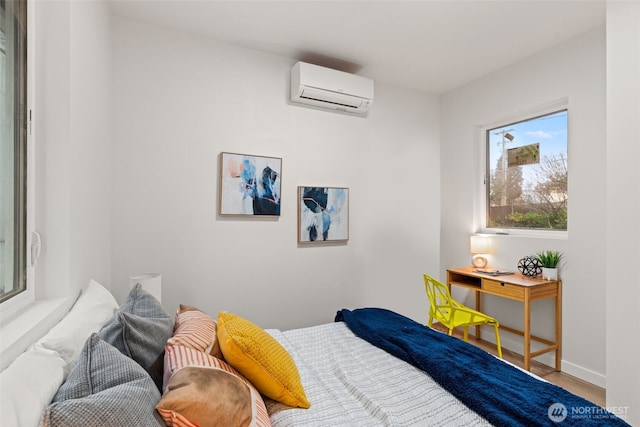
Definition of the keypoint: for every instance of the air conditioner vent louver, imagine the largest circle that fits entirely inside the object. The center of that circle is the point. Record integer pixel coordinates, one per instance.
(332, 89)
(322, 100)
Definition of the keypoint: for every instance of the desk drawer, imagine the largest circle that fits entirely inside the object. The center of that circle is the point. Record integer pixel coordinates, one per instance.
(503, 289)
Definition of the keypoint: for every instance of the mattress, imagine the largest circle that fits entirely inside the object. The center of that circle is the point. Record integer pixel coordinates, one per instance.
(350, 382)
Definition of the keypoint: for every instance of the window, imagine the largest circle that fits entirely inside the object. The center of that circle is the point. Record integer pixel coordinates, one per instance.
(13, 148)
(526, 174)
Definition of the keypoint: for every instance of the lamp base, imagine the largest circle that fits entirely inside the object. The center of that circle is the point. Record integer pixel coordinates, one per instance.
(479, 261)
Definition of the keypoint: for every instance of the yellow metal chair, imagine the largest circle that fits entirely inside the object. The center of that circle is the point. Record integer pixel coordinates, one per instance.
(452, 314)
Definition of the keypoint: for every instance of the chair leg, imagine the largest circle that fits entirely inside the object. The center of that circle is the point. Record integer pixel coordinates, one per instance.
(466, 333)
(450, 331)
(430, 323)
(498, 342)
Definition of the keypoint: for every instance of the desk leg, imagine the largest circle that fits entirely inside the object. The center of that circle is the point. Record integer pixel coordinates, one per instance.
(527, 330)
(559, 328)
(478, 308)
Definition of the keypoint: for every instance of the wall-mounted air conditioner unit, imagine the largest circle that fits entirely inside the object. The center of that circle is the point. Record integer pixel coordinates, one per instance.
(328, 88)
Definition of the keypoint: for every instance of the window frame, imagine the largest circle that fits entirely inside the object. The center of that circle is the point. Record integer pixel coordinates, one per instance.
(482, 193)
(19, 302)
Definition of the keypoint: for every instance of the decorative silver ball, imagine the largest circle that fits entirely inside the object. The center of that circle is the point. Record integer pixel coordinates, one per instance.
(529, 266)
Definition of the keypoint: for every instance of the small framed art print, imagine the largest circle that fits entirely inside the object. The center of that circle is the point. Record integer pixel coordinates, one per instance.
(249, 185)
(323, 214)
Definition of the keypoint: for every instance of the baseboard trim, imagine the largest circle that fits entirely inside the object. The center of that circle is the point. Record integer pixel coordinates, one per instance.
(584, 374)
(549, 359)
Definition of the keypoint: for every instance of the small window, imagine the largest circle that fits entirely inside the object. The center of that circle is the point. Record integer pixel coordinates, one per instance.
(527, 174)
(13, 148)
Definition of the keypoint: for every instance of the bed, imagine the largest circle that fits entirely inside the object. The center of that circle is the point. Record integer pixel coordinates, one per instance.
(106, 364)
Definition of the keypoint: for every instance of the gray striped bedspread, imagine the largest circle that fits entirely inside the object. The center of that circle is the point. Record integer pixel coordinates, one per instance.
(349, 382)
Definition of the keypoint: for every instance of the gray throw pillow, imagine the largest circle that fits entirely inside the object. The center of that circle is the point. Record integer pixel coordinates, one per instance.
(140, 329)
(142, 303)
(105, 388)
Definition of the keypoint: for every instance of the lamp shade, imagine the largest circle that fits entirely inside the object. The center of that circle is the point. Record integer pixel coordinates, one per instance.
(480, 244)
(151, 283)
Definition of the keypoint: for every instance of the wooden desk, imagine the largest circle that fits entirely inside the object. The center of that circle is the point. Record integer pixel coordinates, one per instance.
(520, 288)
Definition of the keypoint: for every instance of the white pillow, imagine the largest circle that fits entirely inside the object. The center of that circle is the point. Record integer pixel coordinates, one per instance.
(28, 385)
(91, 311)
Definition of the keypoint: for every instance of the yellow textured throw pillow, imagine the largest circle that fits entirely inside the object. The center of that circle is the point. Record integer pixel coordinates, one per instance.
(261, 359)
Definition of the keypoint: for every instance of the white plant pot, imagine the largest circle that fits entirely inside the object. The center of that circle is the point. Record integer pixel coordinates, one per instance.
(549, 273)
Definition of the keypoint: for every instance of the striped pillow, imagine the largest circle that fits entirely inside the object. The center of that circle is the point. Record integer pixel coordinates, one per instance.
(196, 330)
(205, 391)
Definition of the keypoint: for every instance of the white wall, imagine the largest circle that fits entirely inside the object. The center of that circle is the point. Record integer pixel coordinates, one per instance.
(52, 138)
(179, 100)
(573, 70)
(91, 128)
(623, 208)
(73, 144)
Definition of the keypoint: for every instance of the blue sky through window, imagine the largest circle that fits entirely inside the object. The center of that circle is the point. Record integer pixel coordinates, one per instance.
(550, 131)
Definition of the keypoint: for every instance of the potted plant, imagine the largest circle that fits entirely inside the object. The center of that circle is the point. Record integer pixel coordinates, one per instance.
(549, 261)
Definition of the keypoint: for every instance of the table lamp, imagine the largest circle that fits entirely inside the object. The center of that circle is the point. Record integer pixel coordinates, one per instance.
(151, 282)
(480, 246)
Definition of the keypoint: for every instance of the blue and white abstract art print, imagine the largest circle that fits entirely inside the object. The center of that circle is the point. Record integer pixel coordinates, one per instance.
(323, 214)
(249, 185)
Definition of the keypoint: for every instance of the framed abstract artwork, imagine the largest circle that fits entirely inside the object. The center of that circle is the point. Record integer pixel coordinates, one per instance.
(323, 214)
(249, 185)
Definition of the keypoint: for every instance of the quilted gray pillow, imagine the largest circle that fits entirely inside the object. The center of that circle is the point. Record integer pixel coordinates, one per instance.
(105, 388)
(140, 329)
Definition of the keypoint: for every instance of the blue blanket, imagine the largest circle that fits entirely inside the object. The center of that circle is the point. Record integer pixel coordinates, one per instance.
(502, 394)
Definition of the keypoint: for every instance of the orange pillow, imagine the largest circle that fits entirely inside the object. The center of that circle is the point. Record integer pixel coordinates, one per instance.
(261, 359)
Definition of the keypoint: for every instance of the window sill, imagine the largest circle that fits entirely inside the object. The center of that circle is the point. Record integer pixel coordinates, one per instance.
(536, 234)
(31, 324)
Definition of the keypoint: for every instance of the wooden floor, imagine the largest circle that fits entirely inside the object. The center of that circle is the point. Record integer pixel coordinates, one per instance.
(575, 385)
